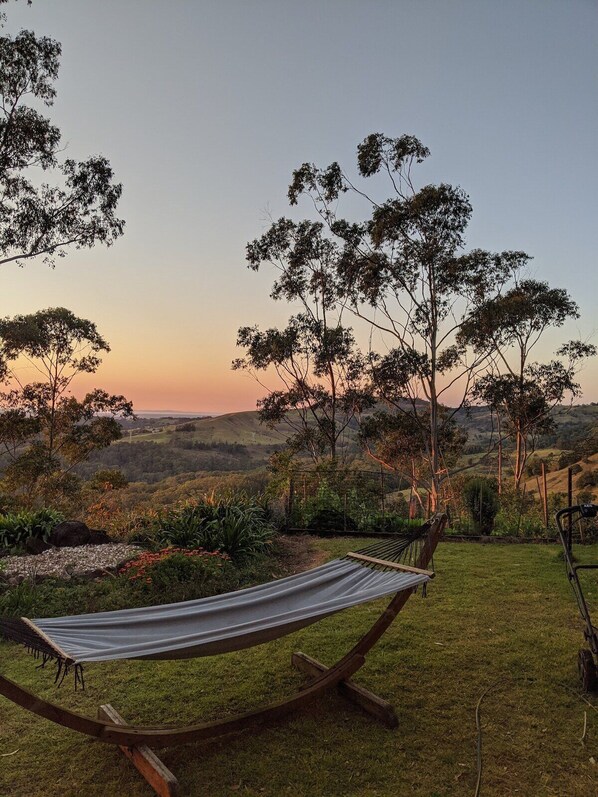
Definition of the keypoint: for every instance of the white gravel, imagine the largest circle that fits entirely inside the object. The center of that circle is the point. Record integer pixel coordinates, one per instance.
(84, 561)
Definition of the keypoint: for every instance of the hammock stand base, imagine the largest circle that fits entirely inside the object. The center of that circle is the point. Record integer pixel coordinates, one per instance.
(373, 705)
(145, 761)
(164, 783)
(135, 741)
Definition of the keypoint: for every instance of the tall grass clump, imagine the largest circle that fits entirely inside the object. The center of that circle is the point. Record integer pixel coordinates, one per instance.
(239, 526)
(16, 527)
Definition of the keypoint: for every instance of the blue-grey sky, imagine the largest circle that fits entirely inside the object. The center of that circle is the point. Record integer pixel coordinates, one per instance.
(205, 108)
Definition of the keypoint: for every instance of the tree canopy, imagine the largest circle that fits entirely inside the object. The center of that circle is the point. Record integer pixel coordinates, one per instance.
(39, 218)
(403, 270)
(522, 393)
(320, 386)
(45, 431)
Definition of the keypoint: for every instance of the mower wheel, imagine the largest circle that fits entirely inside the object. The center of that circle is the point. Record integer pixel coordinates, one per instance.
(587, 669)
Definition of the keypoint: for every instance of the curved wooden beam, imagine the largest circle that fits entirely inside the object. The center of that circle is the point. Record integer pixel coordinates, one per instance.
(163, 736)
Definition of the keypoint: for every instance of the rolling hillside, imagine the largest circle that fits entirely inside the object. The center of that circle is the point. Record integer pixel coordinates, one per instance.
(161, 448)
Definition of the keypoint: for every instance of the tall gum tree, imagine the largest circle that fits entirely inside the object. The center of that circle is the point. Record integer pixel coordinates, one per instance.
(404, 270)
(319, 385)
(521, 393)
(45, 432)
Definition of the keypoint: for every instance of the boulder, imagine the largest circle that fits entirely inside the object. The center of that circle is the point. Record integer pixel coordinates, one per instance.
(36, 545)
(99, 537)
(70, 533)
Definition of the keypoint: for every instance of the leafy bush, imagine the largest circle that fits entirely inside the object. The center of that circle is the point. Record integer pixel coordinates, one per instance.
(357, 500)
(15, 527)
(480, 496)
(589, 478)
(108, 479)
(330, 520)
(521, 514)
(568, 458)
(239, 527)
(584, 497)
(389, 523)
(180, 574)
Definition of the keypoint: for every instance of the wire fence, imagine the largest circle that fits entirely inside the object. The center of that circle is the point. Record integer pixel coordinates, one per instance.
(365, 501)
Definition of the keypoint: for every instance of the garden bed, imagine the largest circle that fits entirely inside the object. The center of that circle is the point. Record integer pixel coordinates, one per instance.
(83, 561)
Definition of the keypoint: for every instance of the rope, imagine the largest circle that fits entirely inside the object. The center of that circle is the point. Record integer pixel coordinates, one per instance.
(514, 679)
(479, 737)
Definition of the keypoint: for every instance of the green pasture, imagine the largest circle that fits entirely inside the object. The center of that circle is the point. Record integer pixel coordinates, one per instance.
(497, 617)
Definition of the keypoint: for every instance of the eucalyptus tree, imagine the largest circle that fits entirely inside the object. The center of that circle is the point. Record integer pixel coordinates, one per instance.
(39, 218)
(522, 393)
(45, 431)
(403, 269)
(319, 386)
(394, 440)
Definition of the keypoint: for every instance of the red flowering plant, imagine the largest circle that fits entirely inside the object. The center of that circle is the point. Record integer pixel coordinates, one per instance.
(194, 573)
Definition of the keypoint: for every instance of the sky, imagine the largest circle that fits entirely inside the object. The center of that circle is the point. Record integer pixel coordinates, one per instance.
(204, 110)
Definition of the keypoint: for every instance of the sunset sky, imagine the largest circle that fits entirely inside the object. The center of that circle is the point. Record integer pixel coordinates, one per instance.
(205, 108)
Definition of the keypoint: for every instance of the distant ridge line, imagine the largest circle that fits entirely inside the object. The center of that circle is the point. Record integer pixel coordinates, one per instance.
(175, 414)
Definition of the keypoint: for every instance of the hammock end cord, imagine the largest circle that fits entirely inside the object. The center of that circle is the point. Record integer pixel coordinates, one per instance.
(24, 632)
(404, 549)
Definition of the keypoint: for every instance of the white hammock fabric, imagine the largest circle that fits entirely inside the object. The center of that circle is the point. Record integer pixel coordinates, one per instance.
(222, 623)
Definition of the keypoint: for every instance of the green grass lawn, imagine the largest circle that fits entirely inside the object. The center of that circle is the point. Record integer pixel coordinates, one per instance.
(499, 616)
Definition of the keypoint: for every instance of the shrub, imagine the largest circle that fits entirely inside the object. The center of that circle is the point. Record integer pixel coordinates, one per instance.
(15, 527)
(521, 515)
(108, 479)
(331, 520)
(567, 458)
(239, 527)
(389, 523)
(589, 478)
(584, 497)
(480, 496)
(178, 573)
(185, 427)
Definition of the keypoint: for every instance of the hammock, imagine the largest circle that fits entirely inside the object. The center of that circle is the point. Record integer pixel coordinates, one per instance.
(232, 622)
(222, 623)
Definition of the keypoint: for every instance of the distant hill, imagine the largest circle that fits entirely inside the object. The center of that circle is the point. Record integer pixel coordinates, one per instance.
(157, 448)
(173, 414)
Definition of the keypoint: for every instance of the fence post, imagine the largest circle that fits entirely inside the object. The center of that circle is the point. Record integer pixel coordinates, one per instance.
(570, 499)
(345, 511)
(545, 498)
(290, 502)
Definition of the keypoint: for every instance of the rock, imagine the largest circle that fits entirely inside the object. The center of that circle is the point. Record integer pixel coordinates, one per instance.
(70, 533)
(99, 537)
(36, 545)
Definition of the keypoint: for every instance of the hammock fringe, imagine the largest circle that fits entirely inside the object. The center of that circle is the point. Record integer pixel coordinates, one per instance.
(17, 630)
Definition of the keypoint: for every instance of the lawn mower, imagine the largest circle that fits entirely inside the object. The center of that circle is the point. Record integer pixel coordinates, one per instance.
(587, 659)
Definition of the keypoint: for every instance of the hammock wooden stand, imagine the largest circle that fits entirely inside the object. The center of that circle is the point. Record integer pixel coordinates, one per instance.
(135, 741)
